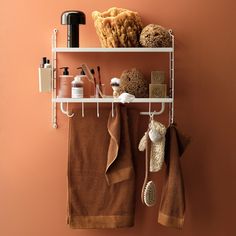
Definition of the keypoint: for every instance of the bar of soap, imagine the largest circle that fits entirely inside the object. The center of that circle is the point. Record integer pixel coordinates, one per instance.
(157, 77)
(157, 90)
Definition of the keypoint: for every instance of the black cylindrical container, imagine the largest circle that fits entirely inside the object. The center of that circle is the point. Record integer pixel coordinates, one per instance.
(73, 19)
(72, 36)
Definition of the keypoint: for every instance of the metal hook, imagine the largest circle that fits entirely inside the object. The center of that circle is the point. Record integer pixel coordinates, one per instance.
(151, 115)
(162, 109)
(97, 109)
(155, 112)
(149, 108)
(112, 109)
(66, 112)
(82, 109)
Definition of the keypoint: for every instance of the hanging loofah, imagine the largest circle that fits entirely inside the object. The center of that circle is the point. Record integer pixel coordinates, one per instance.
(157, 147)
(118, 27)
(153, 36)
(132, 81)
(143, 143)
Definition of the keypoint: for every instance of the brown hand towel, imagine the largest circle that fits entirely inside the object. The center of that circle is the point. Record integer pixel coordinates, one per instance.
(172, 206)
(100, 170)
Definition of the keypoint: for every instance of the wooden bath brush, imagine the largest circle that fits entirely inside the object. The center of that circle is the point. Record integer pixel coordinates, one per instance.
(148, 195)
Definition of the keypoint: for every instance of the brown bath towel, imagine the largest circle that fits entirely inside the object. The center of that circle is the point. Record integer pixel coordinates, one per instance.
(172, 206)
(100, 170)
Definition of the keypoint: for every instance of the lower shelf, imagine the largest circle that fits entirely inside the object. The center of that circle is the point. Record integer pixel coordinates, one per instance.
(111, 100)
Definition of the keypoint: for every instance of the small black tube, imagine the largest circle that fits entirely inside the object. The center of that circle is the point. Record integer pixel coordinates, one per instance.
(43, 61)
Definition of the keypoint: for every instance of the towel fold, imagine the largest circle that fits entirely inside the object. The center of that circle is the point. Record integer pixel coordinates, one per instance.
(118, 169)
(172, 206)
(100, 170)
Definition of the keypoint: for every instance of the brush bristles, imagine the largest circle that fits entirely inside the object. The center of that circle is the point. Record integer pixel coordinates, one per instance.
(150, 194)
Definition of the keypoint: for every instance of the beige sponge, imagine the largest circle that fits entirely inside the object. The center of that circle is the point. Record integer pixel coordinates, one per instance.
(153, 36)
(132, 81)
(117, 27)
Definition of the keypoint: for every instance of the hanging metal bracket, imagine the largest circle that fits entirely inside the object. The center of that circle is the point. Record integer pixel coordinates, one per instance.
(154, 112)
(66, 112)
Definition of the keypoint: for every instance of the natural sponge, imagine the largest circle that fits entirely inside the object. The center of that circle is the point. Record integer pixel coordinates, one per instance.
(132, 81)
(153, 36)
(118, 27)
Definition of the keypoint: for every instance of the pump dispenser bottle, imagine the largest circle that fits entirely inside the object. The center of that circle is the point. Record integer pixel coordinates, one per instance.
(65, 83)
(77, 85)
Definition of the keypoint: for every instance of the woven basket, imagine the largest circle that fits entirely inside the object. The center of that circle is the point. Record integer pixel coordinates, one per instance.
(118, 27)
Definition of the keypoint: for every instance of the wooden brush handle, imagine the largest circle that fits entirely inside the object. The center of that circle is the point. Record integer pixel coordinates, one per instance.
(91, 78)
(147, 154)
(88, 73)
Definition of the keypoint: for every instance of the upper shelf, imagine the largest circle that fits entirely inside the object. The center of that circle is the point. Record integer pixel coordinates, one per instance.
(112, 49)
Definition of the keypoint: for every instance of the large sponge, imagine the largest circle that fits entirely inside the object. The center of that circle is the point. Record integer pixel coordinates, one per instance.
(118, 27)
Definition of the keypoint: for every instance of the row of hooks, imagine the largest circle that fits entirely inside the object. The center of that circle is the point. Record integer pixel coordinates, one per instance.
(71, 114)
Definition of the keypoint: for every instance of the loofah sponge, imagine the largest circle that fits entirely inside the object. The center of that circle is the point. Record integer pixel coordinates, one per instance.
(132, 81)
(118, 27)
(153, 36)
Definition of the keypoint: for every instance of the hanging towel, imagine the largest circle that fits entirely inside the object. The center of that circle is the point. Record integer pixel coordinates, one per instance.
(100, 170)
(118, 169)
(172, 206)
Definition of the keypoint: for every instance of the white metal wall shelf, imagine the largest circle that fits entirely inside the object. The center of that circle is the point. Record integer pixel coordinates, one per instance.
(111, 100)
(62, 101)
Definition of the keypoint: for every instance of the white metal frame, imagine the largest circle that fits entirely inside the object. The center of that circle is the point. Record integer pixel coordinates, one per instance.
(54, 79)
(62, 101)
(172, 79)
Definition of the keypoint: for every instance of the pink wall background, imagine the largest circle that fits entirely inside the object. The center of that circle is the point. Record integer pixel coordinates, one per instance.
(33, 156)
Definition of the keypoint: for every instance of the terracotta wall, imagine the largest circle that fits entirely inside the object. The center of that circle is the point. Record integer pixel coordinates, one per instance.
(33, 156)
